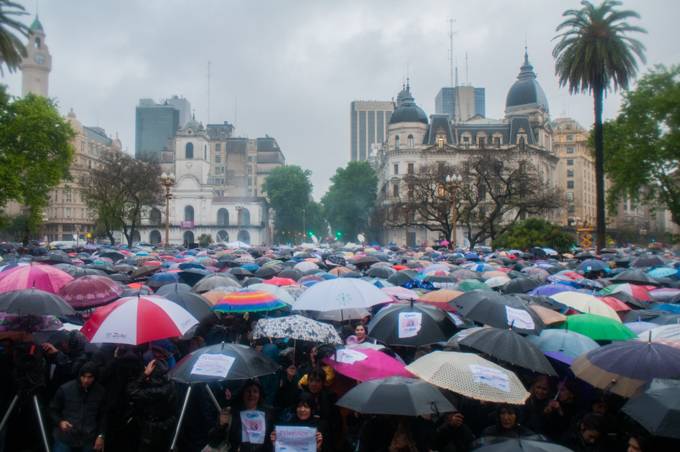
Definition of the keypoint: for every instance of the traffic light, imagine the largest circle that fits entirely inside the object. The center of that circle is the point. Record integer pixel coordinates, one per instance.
(338, 235)
(310, 234)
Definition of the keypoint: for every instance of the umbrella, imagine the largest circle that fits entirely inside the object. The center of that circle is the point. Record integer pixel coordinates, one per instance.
(341, 293)
(290, 273)
(396, 396)
(665, 294)
(400, 293)
(38, 276)
(508, 346)
(592, 265)
(634, 277)
(296, 327)
(637, 292)
(468, 285)
(520, 285)
(551, 289)
(34, 302)
(221, 362)
(624, 367)
(277, 281)
(547, 315)
(639, 326)
(563, 345)
(583, 302)
(528, 444)
(247, 300)
(340, 315)
(90, 291)
(170, 288)
(662, 333)
(214, 281)
(159, 279)
(501, 311)
(616, 304)
(657, 409)
(366, 364)
(648, 261)
(191, 276)
(598, 328)
(497, 281)
(137, 320)
(279, 292)
(411, 325)
(663, 272)
(194, 303)
(471, 376)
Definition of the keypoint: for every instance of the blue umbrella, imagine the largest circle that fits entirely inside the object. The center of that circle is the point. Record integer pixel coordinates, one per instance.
(667, 307)
(251, 267)
(663, 272)
(593, 265)
(187, 265)
(159, 279)
(640, 326)
(551, 289)
(563, 345)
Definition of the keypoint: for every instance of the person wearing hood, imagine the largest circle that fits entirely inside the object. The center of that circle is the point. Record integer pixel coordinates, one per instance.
(154, 404)
(507, 425)
(79, 413)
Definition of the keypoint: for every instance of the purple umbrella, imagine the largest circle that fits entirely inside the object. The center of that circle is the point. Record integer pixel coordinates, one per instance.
(551, 289)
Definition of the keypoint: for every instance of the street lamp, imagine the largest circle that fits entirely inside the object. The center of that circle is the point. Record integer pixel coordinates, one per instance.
(167, 180)
(453, 180)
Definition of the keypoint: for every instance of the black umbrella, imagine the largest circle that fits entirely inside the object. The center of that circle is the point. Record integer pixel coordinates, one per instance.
(500, 311)
(634, 277)
(397, 396)
(34, 302)
(402, 277)
(520, 285)
(197, 306)
(526, 444)
(268, 272)
(121, 278)
(191, 276)
(79, 271)
(233, 362)
(174, 287)
(657, 409)
(213, 281)
(251, 281)
(291, 273)
(365, 260)
(411, 325)
(351, 275)
(648, 261)
(507, 346)
(240, 272)
(115, 256)
(380, 272)
(54, 258)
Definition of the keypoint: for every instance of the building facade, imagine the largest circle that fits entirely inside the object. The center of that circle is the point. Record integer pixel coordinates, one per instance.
(155, 127)
(414, 141)
(37, 64)
(368, 127)
(461, 103)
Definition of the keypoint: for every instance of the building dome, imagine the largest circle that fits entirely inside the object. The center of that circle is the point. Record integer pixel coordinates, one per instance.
(526, 91)
(407, 110)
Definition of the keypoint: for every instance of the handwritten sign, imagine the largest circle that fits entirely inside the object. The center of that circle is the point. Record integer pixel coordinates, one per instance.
(347, 356)
(490, 377)
(295, 439)
(213, 365)
(253, 427)
(519, 318)
(409, 324)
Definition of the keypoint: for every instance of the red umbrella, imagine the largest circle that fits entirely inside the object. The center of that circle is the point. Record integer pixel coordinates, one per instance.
(616, 304)
(138, 320)
(90, 291)
(276, 281)
(38, 276)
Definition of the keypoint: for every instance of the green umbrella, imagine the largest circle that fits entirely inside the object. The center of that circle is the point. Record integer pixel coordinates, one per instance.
(598, 328)
(468, 285)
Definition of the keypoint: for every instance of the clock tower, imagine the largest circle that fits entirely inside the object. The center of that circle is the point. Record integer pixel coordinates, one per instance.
(36, 66)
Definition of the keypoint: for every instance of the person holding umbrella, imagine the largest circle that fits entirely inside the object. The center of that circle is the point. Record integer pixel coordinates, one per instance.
(303, 417)
(507, 425)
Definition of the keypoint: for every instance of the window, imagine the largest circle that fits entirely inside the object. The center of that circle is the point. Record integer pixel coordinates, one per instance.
(223, 217)
(396, 169)
(570, 162)
(67, 195)
(396, 142)
(395, 190)
(411, 168)
(243, 217)
(570, 173)
(440, 141)
(410, 191)
(570, 184)
(218, 157)
(411, 142)
(497, 141)
(218, 147)
(481, 141)
(571, 149)
(189, 151)
(570, 137)
(155, 217)
(571, 209)
(67, 212)
(466, 140)
(570, 196)
(188, 213)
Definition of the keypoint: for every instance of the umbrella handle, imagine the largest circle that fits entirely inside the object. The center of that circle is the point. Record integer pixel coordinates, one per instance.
(212, 397)
(181, 418)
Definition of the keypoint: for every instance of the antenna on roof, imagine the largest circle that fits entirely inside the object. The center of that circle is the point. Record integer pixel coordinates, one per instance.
(451, 33)
(235, 110)
(208, 92)
(467, 70)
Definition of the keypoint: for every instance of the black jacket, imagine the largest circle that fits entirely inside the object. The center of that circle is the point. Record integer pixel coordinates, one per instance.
(85, 410)
(154, 404)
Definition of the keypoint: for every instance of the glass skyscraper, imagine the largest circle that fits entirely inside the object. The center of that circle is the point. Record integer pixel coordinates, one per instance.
(155, 125)
(368, 126)
(471, 102)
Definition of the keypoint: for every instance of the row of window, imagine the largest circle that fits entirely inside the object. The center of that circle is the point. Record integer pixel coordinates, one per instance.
(243, 219)
(189, 238)
(410, 168)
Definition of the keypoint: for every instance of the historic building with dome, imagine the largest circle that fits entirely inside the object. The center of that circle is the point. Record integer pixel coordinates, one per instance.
(414, 141)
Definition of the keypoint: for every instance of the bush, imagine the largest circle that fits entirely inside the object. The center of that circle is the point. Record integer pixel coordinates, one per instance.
(527, 234)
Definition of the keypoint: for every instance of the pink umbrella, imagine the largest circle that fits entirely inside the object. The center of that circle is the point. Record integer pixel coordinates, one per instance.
(138, 320)
(366, 364)
(90, 291)
(38, 276)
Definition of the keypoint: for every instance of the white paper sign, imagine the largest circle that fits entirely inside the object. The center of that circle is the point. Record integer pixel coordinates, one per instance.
(347, 356)
(490, 377)
(519, 318)
(295, 439)
(213, 365)
(409, 324)
(253, 427)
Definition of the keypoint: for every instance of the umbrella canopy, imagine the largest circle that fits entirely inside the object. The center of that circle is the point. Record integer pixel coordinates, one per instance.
(296, 327)
(501, 311)
(624, 367)
(598, 328)
(639, 326)
(222, 362)
(214, 281)
(34, 302)
(521, 285)
(160, 279)
(279, 292)
(411, 325)
(341, 315)
(38, 276)
(396, 396)
(563, 345)
(247, 300)
(194, 303)
(634, 277)
(470, 375)
(137, 320)
(635, 291)
(366, 364)
(341, 293)
(468, 285)
(662, 333)
(507, 346)
(663, 272)
(522, 445)
(551, 289)
(547, 315)
(592, 265)
(170, 288)
(90, 291)
(657, 409)
(648, 261)
(583, 302)
(277, 281)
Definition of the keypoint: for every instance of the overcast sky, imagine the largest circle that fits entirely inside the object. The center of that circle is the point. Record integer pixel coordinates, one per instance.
(290, 68)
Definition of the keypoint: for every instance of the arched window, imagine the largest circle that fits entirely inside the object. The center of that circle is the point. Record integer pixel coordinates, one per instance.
(136, 238)
(396, 142)
(244, 236)
(223, 217)
(155, 217)
(222, 236)
(188, 238)
(411, 142)
(243, 217)
(188, 213)
(189, 151)
(205, 152)
(154, 237)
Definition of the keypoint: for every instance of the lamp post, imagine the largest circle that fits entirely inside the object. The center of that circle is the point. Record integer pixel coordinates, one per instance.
(167, 180)
(453, 180)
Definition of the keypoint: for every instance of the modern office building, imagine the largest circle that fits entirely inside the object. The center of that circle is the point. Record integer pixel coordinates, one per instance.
(183, 106)
(155, 126)
(461, 102)
(368, 126)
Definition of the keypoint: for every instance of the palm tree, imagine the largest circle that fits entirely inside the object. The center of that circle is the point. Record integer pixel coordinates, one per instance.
(592, 53)
(11, 48)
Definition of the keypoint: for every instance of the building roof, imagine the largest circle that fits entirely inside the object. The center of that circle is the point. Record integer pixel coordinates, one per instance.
(526, 91)
(407, 110)
(36, 26)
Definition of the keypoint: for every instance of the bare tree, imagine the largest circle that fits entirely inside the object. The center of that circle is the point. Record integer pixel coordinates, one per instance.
(490, 196)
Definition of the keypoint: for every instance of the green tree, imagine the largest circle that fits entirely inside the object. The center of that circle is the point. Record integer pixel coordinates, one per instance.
(315, 220)
(12, 50)
(35, 154)
(350, 200)
(593, 52)
(642, 145)
(532, 232)
(204, 240)
(289, 190)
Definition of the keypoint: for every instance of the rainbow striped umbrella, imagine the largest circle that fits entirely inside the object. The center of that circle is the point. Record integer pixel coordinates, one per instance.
(249, 301)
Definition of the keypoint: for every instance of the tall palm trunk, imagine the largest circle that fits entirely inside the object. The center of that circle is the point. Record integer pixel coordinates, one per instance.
(598, 94)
